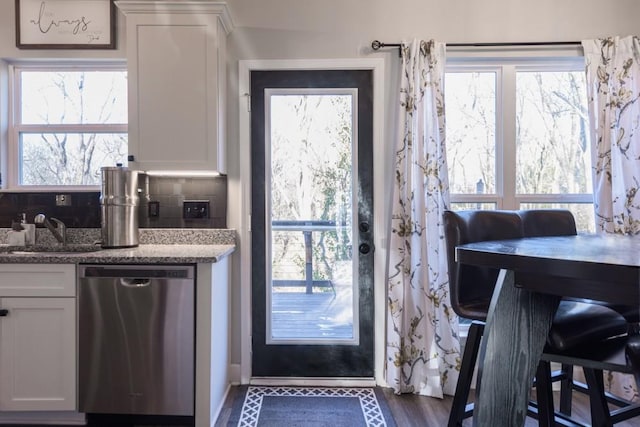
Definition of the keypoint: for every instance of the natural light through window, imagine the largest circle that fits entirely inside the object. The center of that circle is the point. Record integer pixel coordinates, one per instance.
(517, 137)
(471, 125)
(311, 188)
(553, 155)
(69, 122)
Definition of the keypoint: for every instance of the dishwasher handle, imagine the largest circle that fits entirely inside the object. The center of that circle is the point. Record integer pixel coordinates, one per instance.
(137, 271)
(134, 283)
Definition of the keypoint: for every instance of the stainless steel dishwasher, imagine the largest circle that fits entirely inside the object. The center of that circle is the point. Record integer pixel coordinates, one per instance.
(136, 339)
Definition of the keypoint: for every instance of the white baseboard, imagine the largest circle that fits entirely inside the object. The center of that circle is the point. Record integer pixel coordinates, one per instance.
(235, 374)
(314, 382)
(215, 414)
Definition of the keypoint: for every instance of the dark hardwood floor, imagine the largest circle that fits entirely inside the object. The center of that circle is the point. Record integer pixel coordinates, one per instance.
(413, 410)
(408, 410)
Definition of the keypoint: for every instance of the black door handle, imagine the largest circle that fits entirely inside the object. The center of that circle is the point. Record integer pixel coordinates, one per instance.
(364, 227)
(364, 248)
(4, 312)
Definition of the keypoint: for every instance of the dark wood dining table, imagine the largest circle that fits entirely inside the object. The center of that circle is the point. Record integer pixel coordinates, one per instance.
(534, 274)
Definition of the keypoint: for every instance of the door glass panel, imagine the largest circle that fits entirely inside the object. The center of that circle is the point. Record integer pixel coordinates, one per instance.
(310, 290)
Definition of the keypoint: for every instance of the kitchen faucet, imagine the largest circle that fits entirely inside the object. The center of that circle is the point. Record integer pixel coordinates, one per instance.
(59, 232)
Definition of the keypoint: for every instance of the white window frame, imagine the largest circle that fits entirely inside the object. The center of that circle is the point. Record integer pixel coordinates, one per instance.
(12, 182)
(506, 69)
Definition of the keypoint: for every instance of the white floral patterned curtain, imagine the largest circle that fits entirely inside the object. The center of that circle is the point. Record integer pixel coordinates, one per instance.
(423, 351)
(613, 89)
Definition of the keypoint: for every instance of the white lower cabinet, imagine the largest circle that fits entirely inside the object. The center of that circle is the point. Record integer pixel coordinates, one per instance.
(37, 341)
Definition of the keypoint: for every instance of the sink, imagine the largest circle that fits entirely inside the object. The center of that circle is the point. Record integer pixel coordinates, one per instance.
(49, 250)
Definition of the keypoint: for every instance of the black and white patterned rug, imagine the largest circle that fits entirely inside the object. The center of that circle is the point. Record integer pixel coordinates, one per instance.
(311, 407)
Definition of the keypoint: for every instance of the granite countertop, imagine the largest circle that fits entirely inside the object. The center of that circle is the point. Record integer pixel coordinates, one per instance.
(162, 246)
(143, 254)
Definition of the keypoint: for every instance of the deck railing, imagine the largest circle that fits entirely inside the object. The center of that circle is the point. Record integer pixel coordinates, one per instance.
(307, 228)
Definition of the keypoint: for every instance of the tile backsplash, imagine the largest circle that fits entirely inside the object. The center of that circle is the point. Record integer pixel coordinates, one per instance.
(83, 211)
(166, 196)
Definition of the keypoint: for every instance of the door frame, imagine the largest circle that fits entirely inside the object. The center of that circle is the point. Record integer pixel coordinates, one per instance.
(381, 187)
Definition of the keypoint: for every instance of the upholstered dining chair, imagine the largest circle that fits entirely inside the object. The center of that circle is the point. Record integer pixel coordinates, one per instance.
(471, 289)
(619, 354)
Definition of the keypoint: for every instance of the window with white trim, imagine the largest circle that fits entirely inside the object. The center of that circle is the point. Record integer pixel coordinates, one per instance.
(67, 121)
(517, 136)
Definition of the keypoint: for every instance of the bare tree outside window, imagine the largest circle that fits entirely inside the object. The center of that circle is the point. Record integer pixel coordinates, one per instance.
(311, 159)
(553, 153)
(470, 100)
(71, 123)
(546, 164)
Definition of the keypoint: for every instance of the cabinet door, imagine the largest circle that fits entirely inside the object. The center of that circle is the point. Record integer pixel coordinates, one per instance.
(38, 354)
(176, 68)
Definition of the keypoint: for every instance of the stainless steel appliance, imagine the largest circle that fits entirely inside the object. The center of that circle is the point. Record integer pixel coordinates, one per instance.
(119, 202)
(136, 339)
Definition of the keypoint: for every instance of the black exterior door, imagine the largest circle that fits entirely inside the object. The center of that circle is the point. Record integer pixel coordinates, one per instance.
(311, 223)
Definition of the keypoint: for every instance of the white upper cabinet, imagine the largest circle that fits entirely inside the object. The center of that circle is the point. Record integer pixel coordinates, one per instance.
(176, 55)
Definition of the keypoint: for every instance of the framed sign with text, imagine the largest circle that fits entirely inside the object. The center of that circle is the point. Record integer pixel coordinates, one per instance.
(65, 24)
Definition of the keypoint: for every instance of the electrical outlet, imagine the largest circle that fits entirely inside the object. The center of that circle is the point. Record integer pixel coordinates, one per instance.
(63, 200)
(195, 209)
(154, 209)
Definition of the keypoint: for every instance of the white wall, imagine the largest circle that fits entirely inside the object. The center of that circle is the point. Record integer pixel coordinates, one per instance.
(288, 29)
(305, 29)
(445, 20)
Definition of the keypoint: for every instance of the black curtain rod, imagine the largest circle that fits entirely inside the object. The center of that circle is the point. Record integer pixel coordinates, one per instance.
(376, 44)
